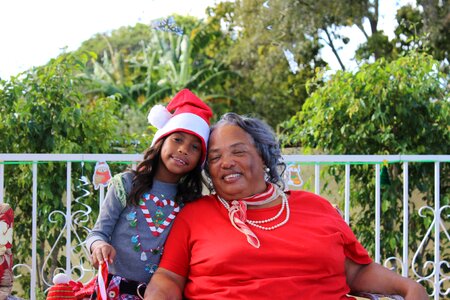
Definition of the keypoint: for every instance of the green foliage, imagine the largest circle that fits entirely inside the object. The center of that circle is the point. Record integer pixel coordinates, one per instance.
(124, 39)
(378, 45)
(158, 65)
(47, 112)
(260, 35)
(436, 23)
(398, 107)
(44, 111)
(423, 28)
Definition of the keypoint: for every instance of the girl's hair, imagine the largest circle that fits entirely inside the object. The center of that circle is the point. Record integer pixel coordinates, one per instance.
(189, 186)
(264, 140)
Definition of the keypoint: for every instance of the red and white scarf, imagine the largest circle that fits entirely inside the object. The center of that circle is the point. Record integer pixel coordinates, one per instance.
(237, 211)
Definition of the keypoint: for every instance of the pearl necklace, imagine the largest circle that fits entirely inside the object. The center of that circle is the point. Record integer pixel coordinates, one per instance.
(284, 203)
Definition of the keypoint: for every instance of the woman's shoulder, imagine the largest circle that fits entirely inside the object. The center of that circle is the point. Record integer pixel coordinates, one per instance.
(309, 199)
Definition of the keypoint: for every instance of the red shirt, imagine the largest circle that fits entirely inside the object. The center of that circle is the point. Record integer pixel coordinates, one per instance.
(303, 259)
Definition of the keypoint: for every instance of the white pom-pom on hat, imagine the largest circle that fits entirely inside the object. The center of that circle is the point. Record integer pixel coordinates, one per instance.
(159, 116)
(61, 278)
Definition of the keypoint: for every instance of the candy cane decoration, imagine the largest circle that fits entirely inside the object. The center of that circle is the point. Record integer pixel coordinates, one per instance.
(102, 280)
(157, 231)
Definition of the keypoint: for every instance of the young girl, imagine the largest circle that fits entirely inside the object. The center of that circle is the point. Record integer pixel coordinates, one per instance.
(140, 206)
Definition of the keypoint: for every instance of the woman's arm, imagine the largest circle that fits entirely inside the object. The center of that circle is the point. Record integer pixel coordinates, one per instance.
(374, 278)
(165, 285)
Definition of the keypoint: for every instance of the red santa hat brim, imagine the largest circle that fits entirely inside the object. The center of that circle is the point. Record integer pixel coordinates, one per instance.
(189, 123)
(191, 115)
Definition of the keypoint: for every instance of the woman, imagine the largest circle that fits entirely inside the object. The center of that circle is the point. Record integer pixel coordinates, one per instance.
(250, 240)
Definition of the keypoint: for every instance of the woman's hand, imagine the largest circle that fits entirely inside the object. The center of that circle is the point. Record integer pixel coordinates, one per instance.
(165, 285)
(102, 251)
(374, 278)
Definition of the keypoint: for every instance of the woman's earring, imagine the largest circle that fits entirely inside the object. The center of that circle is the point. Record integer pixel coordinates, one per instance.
(266, 173)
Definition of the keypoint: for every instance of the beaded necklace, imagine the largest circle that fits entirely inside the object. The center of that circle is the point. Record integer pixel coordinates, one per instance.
(237, 212)
(156, 226)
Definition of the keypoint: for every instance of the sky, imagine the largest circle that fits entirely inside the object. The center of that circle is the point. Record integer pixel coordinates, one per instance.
(386, 22)
(34, 31)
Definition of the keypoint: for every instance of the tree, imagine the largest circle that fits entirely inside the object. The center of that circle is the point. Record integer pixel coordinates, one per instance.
(398, 107)
(422, 28)
(45, 111)
(268, 88)
(159, 64)
(436, 24)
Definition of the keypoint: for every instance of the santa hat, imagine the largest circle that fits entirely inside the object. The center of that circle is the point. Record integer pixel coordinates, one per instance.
(61, 290)
(190, 115)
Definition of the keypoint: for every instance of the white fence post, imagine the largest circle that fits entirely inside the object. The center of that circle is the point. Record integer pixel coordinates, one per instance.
(437, 224)
(68, 217)
(34, 234)
(317, 179)
(405, 260)
(347, 194)
(377, 213)
(2, 176)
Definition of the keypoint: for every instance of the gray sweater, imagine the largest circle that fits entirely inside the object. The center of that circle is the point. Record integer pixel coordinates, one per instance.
(138, 250)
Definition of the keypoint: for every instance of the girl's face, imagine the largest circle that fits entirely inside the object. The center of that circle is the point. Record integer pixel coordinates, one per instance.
(180, 154)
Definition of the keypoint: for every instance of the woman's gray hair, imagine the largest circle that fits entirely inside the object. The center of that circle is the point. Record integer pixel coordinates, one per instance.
(265, 142)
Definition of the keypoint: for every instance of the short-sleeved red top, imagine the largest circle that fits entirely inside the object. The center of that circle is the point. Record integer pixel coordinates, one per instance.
(303, 259)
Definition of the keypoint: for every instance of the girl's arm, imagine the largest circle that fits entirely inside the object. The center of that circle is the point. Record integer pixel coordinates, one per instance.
(165, 285)
(374, 278)
(97, 241)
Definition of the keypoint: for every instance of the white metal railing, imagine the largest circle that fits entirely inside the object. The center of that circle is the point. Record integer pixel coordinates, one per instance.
(437, 278)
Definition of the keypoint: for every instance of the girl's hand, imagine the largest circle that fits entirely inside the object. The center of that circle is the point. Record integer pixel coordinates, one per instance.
(102, 251)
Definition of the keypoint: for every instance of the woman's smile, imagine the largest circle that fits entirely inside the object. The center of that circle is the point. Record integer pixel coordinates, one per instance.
(232, 177)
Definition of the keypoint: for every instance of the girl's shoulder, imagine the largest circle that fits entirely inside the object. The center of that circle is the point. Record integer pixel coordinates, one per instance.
(121, 184)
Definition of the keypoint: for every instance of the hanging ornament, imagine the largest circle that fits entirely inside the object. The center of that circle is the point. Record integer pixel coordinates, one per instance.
(143, 256)
(102, 174)
(292, 176)
(384, 175)
(151, 268)
(158, 219)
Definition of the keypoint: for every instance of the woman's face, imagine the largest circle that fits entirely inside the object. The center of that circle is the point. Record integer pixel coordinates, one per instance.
(180, 154)
(235, 166)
